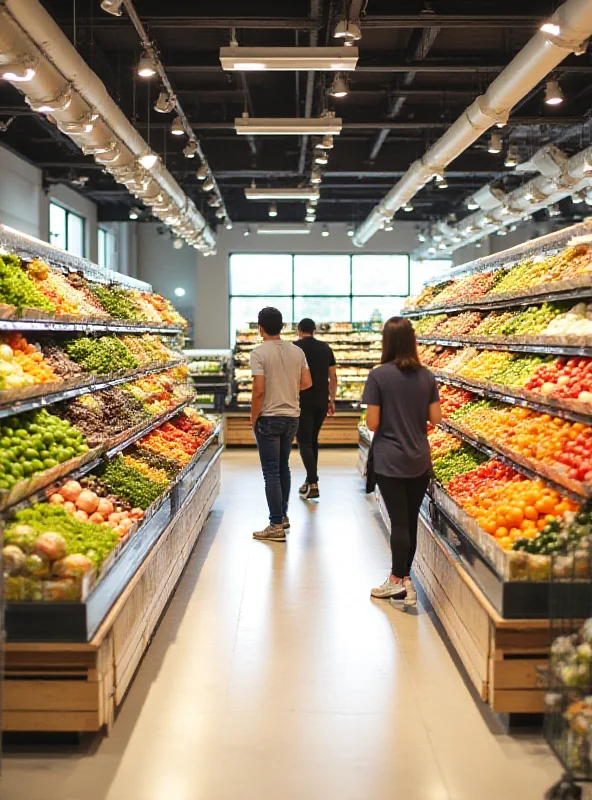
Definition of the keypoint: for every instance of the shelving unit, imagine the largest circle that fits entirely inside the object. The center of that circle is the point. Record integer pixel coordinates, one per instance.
(498, 623)
(357, 350)
(211, 372)
(69, 664)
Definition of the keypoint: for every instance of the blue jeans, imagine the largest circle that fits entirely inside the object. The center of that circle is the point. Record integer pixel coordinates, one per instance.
(274, 437)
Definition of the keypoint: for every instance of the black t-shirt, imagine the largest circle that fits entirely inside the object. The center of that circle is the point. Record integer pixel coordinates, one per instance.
(319, 357)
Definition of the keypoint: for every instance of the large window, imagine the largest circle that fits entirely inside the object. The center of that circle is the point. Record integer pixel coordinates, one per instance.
(328, 288)
(66, 230)
(106, 248)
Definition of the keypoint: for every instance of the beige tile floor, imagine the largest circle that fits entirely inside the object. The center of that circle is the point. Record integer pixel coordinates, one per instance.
(273, 676)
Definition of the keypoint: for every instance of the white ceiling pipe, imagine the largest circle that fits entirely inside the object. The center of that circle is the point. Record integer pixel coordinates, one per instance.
(63, 64)
(532, 64)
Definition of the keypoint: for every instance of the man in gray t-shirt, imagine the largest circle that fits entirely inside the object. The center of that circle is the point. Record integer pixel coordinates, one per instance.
(280, 373)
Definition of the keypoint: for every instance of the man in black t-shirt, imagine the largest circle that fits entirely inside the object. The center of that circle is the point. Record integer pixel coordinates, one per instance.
(315, 403)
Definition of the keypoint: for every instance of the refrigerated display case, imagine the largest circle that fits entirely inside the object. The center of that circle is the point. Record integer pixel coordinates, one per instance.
(211, 372)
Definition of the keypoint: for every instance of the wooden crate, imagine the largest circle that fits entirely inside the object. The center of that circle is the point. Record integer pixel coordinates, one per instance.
(506, 660)
(77, 687)
(341, 429)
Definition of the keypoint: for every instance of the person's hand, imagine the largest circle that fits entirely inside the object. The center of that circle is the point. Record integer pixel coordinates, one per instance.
(331, 410)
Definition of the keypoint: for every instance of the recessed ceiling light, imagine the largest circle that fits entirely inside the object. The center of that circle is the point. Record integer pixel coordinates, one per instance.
(179, 291)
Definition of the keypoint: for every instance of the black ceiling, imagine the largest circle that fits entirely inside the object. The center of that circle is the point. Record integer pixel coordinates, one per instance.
(417, 72)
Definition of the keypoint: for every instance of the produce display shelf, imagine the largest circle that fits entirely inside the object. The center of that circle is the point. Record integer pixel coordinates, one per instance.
(505, 395)
(57, 326)
(509, 302)
(79, 621)
(9, 407)
(531, 471)
(39, 494)
(508, 345)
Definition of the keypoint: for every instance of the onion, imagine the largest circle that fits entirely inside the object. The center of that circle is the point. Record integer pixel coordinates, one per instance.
(87, 501)
(81, 515)
(96, 518)
(71, 490)
(105, 508)
(57, 499)
(52, 545)
(69, 507)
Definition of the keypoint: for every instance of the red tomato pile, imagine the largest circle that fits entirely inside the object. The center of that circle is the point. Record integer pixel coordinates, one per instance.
(568, 378)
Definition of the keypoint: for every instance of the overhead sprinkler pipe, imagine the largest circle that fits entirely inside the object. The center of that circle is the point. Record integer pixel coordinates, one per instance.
(533, 63)
(27, 30)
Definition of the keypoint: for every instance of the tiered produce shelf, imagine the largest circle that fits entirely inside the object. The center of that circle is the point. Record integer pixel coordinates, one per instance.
(74, 639)
(494, 601)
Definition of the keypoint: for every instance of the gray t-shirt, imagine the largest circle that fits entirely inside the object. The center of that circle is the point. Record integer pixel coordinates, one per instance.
(282, 365)
(401, 448)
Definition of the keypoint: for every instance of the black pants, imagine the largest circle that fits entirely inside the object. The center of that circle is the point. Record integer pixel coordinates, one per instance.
(309, 427)
(403, 498)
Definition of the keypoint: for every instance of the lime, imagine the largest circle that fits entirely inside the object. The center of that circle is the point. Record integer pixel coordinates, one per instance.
(5, 442)
(30, 453)
(59, 436)
(27, 469)
(48, 439)
(17, 451)
(69, 451)
(34, 428)
(10, 480)
(44, 454)
(49, 463)
(82, 448)
(22, 433)
(17, 471)
(3, 485)
(37, 465)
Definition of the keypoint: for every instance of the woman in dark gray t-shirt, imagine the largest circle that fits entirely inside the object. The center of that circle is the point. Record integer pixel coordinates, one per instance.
(402, 397)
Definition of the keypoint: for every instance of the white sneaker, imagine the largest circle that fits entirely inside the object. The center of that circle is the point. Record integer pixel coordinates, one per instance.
(411, 594)
(273, 533)
(396, 591)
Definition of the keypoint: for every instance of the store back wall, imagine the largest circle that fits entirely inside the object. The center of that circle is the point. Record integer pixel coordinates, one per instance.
(212, 307)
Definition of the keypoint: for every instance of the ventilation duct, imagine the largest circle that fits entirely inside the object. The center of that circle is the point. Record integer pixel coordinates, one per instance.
(532, 64)
(91, 119)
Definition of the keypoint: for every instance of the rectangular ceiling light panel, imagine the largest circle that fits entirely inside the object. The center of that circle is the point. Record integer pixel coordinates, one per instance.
(305, 193)
(259, 59)
(283, 231)
(299, 126)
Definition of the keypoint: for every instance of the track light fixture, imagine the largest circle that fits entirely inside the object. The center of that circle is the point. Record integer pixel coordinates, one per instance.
(83, 125)
(178, 244)
(21, 71)
(273, 212)
(349, 31)
(247, 231)
(221, 213)
(495, 144)
(553, 94)
(321, 158)
(61, 102)
(202, 172)
(440, 180)
(472, 204)
(177, 128)
(146, 68)
(325, 231)
(214, 201)
(165, 103)
(326, 143)
(421, 237)
(388, 225)
(112, 7)
(512, 157)
(408, 206)
(316, 176)
(191, 150)
(208, 184)
(577, 198)
(228, 225)
(134, 213)
(148, 160)
(339, 87)
(350, 231)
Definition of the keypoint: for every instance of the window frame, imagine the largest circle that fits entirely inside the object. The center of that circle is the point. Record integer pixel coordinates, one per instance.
(69, 213)
(351, 296)
(109, 238)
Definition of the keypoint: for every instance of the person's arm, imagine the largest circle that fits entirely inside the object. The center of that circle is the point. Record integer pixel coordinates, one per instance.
(305, 379)
(257, 395)
(332, 389)
(435, 413)
(373, 418)
(372, 400)
(434, 410)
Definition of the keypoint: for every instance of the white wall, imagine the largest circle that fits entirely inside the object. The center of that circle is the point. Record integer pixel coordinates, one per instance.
(212, 302)
(24, 204)
(166, 268)
(495, 244)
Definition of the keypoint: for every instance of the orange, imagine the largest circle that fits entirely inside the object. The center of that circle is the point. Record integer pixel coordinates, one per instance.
(530, 512)
(501, 532)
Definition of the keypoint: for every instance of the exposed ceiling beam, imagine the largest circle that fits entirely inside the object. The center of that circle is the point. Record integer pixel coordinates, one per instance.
(435, 67)
(355, 8)
(307, 24)
(419, 52)
(315, 11)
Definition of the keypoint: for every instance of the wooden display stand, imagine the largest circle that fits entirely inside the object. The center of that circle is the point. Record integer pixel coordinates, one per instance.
(77, 687)
(506, 660)
(341, 429)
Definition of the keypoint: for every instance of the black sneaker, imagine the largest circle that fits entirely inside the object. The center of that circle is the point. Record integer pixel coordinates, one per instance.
(286, 524)
(312, 492)
(303, 489)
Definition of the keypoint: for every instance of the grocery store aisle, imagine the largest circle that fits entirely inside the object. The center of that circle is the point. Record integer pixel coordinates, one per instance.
(274, 675)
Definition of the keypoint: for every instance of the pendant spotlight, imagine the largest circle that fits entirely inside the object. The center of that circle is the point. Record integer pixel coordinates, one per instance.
(325, 231)
(202, 172)
(146, 68)
(339, 87)
(208, 185)
(165, 103)
(321, 157)
(112, 7)
(177, 128)
(408, 206)
(495, 144)
(553, 94)
(273, 212)
(191, 150)
(134, 213)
